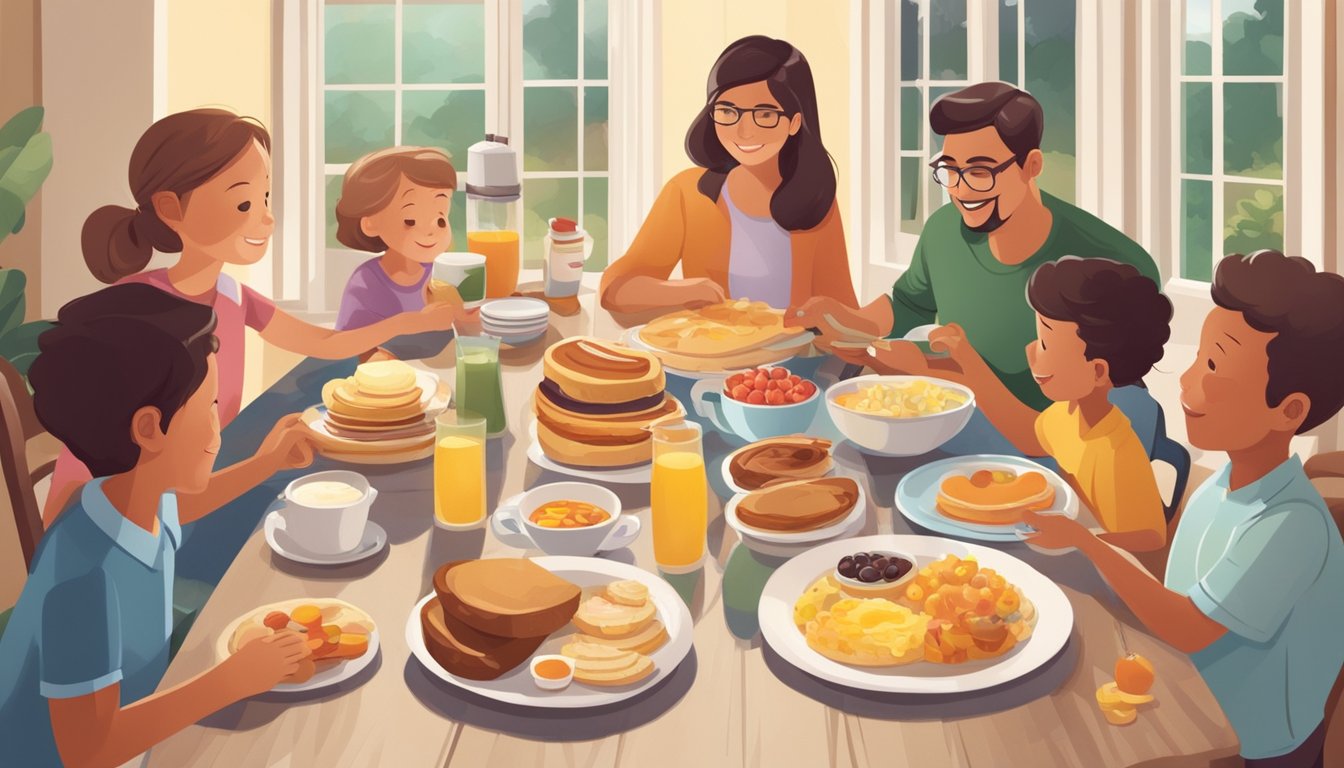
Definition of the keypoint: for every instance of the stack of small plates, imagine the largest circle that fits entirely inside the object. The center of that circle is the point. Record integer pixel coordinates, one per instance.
(515, 321)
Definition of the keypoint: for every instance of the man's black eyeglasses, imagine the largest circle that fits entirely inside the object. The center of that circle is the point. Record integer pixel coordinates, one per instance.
(979, 178)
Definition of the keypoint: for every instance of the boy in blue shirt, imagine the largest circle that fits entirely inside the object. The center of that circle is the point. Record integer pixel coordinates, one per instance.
(127, 381)
(1253, 583)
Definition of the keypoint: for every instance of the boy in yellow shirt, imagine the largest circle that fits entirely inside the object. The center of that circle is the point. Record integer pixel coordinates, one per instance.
(1100, 324)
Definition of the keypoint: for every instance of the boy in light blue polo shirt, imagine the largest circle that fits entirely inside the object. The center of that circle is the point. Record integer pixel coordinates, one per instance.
(1254, 588)
(127, 381)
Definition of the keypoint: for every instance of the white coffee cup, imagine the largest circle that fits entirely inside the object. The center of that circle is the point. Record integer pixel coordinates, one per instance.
(326, 528)
(464, 271)
(512, 525)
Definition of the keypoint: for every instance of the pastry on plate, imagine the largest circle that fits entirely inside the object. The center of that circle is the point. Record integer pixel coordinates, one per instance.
(780, 459)
(729, 335)
(506, 597)
(994, 497)
(607, 666)
(799, 505)
(595, 402)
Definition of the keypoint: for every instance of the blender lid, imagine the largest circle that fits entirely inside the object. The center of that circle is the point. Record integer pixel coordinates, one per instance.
(492, 169)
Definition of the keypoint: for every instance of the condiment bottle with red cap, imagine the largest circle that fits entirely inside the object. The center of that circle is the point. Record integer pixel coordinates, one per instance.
(567, 247)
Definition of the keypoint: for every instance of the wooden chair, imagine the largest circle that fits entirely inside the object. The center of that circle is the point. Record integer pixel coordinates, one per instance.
(18, 425)
(1326, 471)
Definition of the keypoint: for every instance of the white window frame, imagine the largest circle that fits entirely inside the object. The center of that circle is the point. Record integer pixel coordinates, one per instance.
(880, 250)
(299, 169)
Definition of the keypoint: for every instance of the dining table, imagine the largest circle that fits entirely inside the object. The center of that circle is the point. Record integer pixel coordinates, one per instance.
(732, 702)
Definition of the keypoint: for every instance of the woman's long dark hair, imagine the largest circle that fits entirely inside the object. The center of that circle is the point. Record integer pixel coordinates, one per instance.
(807, 191)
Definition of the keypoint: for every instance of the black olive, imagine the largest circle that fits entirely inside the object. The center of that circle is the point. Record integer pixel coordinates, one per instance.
(880, 563)
(847, 560)
(848, 570)
(869, 574)
(891, 573)
(861, 559)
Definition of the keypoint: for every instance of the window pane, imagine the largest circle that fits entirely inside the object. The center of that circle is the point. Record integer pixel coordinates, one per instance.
(595, 39)
(1253, 129)
(913, 118)
(357, 122)
(443, 43)
(550, 129)
(1008, 40)
(1050, 78)
(1198, 38)
(1197, 128)
(544, 199)
(358, 43)
(912, 178)
(1252, 37)
(1253, 218)
(947, 40)
(595, 222)
(333, 195)
(453, 121)
(595, 128)
(550, 34)
(1197, 229)
(912, 41)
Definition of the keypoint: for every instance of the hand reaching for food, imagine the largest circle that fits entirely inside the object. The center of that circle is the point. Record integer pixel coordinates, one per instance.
(267, 660)
(290, 443)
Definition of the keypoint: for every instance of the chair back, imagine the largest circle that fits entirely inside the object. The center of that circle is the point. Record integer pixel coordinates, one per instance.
(1336, 692)
(1150, 424)
(17, 417)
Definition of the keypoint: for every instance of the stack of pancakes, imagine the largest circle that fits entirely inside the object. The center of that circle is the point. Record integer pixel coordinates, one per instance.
(994, 497)
(381, 401)
(491, 615)
(728, 336)
(596, 401)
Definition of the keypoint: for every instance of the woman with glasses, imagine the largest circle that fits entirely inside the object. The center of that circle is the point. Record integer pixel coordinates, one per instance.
(756, 218)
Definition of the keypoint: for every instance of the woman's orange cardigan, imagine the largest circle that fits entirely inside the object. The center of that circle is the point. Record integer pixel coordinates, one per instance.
(687, 227)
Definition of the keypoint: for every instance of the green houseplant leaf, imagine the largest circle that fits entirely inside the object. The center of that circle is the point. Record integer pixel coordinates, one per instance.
(21, 127)
(26, 174)
(19, 346)
(12, 303)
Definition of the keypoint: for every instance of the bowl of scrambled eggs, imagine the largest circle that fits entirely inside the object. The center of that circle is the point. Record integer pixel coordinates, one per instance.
(899, 415)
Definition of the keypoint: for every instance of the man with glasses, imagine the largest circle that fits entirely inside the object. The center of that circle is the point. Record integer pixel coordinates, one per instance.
(976, 253)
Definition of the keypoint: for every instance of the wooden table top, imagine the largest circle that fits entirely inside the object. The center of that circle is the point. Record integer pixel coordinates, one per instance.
(733, 702)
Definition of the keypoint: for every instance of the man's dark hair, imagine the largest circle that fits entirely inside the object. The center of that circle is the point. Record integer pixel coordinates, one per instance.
(1122, 317)
(112, 353)
(1304, 309)
(1013, 112)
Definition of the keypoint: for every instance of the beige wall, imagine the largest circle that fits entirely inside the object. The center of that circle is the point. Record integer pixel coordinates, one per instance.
(694, 32)
(219, 54)
(20, 88)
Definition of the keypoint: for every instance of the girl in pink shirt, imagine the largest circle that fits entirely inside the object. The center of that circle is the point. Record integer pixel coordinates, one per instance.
(201, 180)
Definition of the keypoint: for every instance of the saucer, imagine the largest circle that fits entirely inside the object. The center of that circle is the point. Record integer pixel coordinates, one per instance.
(375, 538)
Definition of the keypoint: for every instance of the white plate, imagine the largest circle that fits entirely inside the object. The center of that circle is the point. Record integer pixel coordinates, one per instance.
(518, 688)
(631, 339)
(790, 550)
(516, 308)
(635, 474)
(917, 495)
(728, 460)
(1054, 619)
(800, 537)
(337, 673)
(373, 541)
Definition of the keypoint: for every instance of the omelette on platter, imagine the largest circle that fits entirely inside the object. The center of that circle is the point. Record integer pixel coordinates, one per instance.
(732, 334)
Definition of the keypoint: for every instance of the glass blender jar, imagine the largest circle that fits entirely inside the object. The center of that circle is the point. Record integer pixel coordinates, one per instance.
(492, 212)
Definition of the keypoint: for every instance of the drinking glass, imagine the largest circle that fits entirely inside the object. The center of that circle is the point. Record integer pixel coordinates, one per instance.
(459, 470)
(679, 497)
(480, 390)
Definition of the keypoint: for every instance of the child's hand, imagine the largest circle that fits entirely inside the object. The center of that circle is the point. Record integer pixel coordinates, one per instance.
(438, 316)
(290, 444)
(1055, 531)
(258, 666)
(951, 338)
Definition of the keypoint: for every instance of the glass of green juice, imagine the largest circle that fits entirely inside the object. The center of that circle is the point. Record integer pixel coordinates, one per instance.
(480, 389)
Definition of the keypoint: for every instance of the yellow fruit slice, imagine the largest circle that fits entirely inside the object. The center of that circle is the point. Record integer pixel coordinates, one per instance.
(1123, 716)
(1111, 694)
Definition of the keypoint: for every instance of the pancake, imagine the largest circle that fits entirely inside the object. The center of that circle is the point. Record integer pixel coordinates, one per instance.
(799, 505)
(596, 371)
(994, 497)
(385, 377)
(586, 440)
(374, 425)
(780, 459)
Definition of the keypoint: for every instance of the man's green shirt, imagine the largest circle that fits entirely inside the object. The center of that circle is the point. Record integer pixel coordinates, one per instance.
(953, 278)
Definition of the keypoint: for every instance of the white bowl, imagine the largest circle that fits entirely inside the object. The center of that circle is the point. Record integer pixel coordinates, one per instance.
(893, 436)
(888, 589)
(546, 683)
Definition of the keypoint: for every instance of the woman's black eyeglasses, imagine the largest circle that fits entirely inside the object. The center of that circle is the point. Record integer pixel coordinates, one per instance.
(728, 114)
(979, 178)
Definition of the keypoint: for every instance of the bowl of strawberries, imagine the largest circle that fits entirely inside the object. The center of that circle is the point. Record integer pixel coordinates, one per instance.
(758, 403)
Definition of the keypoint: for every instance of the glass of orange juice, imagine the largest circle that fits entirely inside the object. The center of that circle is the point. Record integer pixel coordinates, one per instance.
(459, 471)
(500, 249)
(679, 497)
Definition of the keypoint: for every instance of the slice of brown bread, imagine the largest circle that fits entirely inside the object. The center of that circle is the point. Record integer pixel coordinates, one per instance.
(467, 653)
(506, 597)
